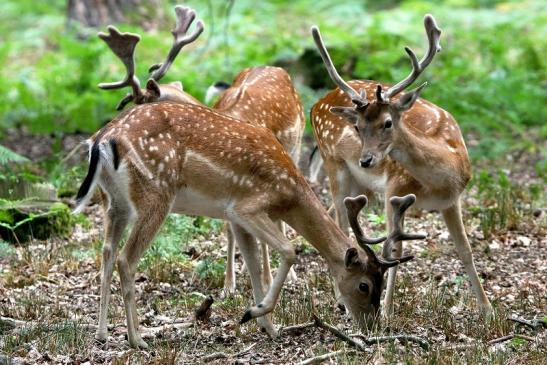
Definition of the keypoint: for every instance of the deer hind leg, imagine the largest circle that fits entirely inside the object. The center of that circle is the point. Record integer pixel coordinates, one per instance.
(453, 219)
(116, 219)
(261, 226)
(145, 228)
(249, 250)
(230, 279)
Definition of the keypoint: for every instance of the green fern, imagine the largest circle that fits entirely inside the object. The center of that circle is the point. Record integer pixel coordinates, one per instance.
(7, 156)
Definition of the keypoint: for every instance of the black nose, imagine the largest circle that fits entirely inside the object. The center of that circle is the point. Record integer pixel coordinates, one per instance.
(365, 162)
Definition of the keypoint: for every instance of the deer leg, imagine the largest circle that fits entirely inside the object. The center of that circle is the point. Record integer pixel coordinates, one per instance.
(397, 250)
(266, 269)
(248, 247)
(230, 279)
(340, 183)
(292, 278)
(145, 228)
(453, 219)
(116, 219)
(261, 226)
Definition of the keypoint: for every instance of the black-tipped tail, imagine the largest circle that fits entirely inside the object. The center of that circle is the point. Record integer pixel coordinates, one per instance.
(86, 185)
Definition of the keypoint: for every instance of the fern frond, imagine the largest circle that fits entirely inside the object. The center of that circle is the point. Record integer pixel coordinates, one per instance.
(7, 156)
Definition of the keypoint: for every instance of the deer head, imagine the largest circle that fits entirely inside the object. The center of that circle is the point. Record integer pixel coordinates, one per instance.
(377, 122)
(123, 45)
(362, 283)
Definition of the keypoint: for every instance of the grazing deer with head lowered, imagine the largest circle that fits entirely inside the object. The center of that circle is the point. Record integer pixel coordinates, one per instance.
(263, 96)
(373, 137)
(166, 157)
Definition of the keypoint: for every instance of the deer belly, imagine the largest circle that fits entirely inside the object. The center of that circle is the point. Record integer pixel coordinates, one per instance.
(366, 179)
(191, 202)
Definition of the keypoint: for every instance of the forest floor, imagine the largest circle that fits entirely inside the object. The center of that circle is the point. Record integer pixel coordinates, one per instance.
(52, 290)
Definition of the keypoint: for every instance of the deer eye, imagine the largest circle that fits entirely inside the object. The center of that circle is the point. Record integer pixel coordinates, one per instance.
(363, 287)
(388, 124)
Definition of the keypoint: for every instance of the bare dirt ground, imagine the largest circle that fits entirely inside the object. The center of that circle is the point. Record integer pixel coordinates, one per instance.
(52, 289)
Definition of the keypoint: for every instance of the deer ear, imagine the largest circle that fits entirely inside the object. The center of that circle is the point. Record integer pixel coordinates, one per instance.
(153, 88)
(406, 101)
(352, 258)
(348, 113)
(177, 85)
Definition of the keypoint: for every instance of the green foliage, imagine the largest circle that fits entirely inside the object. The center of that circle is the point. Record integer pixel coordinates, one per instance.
(501, 203)
(490, 75)
(7, 156)
(210, 271)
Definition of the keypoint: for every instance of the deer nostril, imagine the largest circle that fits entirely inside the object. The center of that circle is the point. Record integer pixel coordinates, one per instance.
(366, 162)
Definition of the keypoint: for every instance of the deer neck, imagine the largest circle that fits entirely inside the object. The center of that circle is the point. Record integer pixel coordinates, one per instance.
(311, 220)
(415, 153)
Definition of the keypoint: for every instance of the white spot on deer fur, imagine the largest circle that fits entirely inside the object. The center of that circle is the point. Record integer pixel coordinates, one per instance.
(145, 132)
(166, 158)
(161, 167)
(168, 135)
(165, 114)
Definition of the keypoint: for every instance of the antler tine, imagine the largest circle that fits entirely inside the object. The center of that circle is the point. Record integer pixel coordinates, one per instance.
(123, 45)
(359, 99)
(400, 205)
(433, 34)
(353, 207)
(185, 18)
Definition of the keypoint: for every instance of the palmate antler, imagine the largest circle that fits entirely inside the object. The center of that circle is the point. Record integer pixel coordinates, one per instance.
(123, 45)
(400, 205)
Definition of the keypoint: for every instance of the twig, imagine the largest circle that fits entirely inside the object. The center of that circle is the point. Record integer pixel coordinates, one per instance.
(535, 323)
(509, 337)
(214, 356)
(223, 355)
(321, 358)
(296, 328)
(403, 338)
(335, 331)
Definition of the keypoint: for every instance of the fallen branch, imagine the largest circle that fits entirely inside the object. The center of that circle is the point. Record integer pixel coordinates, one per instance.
(296, 328)
(535, 323)
(223, 355)
(319, 359)
(335, 331)
(403, 338)
(509, 337)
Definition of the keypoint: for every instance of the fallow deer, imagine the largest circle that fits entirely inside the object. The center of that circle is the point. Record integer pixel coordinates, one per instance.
(372, 137)
(157, 158)
(263, 96)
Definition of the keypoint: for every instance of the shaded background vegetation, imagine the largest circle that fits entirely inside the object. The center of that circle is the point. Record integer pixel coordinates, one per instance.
(490, 75)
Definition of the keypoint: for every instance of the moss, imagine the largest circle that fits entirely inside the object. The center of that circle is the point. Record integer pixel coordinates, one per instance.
(40, 220)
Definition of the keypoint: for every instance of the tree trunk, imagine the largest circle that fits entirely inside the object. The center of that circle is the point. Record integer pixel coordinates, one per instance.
(98, 13)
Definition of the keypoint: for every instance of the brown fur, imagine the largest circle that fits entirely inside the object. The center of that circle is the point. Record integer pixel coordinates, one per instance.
(167, 150)
(424, 154)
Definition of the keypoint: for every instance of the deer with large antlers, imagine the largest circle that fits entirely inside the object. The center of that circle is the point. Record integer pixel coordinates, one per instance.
(166, 157)
(263, 96)
(373, 137)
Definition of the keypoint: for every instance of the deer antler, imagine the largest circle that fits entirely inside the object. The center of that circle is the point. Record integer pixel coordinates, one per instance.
(433, 34)
(400, 205)
(123, 45)
(185, 17)
(359, 99)
(353, 207)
